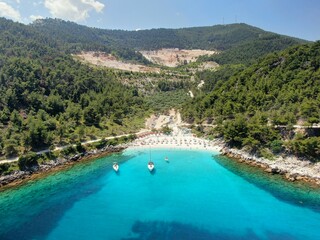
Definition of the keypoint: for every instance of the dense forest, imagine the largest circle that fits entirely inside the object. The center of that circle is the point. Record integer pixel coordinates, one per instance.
(248, 52)
(48, 98)
(73, 38)
(238, 43)
(281, 89)
(59, 102)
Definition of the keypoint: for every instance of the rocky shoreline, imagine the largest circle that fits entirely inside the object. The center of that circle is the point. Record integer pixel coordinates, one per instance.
(290, 167)
(20, 177)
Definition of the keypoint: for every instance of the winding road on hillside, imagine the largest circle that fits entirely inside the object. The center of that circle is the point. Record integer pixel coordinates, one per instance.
(173, 120)
(66, 146)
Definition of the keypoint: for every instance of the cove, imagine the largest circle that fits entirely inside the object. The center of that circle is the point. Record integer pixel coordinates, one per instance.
(196, 195)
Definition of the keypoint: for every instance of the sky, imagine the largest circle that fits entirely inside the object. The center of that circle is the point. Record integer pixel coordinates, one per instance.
(297, 18)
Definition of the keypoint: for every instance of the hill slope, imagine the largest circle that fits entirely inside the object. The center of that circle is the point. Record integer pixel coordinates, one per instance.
(248, 52)
(231, 38)
(281, 81)
(280, 89)
(49, 98)
(18, 40)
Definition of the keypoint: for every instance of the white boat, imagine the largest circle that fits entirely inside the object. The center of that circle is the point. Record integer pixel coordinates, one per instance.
(115, 167)
(166, 159)
(150, 166)
(150, 163)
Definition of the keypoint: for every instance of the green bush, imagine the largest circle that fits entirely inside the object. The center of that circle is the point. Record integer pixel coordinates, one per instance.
(276, 146)
(101, 144)
(27, 161)
(266, 153)
(166, 130)
(80, 148)
(68, 151)
(308, 147)
(10, 150)
(112, 142)
(313, 120)
(4, 167)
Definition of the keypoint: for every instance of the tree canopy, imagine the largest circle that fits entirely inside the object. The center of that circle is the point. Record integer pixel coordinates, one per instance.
(282, 88)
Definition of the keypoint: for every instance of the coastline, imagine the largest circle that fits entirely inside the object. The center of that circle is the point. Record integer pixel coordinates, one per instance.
(175, 142)
(290, 167)
(19, 178)
(150, 140)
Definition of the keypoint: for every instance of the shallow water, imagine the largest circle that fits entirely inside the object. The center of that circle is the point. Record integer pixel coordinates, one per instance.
(196, 195)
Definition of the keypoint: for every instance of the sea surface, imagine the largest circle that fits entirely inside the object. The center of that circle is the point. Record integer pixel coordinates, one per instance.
(196, 195)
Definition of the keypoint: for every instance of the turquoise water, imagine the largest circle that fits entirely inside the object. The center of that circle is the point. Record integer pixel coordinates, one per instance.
(197, 195)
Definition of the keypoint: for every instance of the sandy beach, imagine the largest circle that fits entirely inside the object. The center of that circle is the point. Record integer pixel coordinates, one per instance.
(290, 167)
(180, 137)
(182, 141)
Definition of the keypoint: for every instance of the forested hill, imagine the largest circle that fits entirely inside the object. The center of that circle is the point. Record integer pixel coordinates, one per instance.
(281, 89)
(286, 84)
(73, 38)
(18, 40)
(241, 41)
(48, 98)
(248, 52)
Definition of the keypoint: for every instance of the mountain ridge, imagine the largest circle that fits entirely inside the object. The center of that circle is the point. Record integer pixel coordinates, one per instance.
(48, 97)
(238, 42)
(215, 33)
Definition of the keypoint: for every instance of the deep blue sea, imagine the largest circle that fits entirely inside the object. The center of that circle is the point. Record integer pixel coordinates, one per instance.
(196, 195)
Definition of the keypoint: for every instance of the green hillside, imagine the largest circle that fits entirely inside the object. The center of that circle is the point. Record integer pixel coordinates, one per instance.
(47, 98)
(239, 43)
(18, 40)
(281, 89)
(248, 52)
(73, 38)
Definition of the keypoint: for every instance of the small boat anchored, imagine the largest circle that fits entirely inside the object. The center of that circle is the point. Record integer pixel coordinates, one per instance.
(166, 159)
(150, 163)
(115, 167)
(150, 166)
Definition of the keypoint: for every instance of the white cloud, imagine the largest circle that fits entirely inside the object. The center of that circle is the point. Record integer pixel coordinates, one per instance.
(9, 12)
(33, 17)
(74, 10)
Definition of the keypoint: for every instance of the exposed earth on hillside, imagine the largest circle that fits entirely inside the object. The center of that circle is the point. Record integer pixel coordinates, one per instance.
(164, 57)
(109, 61)
(173, 57)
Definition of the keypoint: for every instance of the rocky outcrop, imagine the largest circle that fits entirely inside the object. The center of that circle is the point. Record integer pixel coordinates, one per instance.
(290, 167)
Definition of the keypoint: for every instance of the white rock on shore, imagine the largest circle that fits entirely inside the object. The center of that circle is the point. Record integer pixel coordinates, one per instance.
(291, 167)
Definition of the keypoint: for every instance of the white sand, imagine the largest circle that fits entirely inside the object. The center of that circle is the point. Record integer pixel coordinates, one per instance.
(182, 141)
(180, 138)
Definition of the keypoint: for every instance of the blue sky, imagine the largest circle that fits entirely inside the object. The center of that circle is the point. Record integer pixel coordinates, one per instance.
(299, 18)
